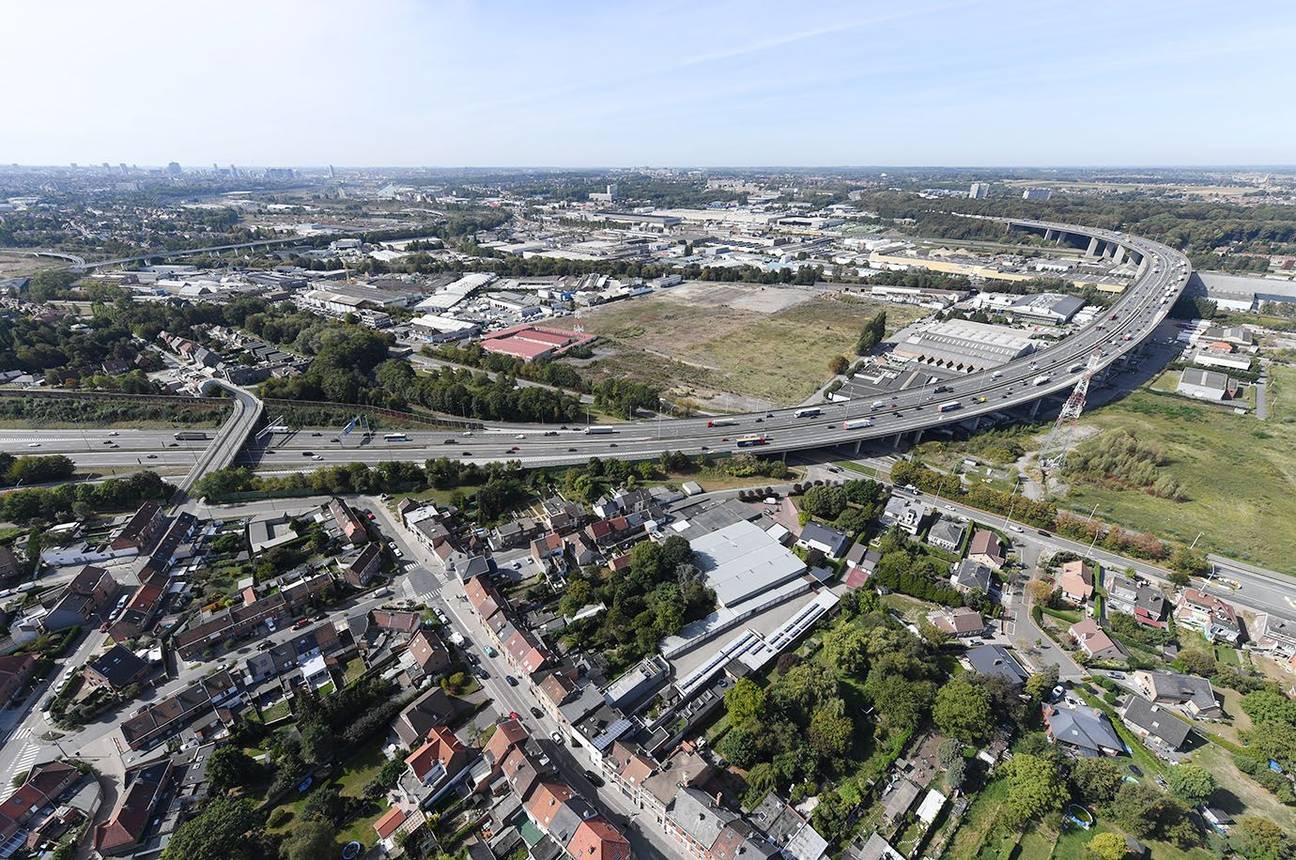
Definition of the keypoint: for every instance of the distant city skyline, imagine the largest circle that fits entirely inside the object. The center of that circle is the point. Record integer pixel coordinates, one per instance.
(710, 84)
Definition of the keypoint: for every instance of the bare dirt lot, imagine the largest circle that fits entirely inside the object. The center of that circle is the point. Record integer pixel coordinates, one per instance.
(731, 346)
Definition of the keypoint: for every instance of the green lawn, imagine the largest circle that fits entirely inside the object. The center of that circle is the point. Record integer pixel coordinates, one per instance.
(357, 770)
(1239, 475)
(1072, 844)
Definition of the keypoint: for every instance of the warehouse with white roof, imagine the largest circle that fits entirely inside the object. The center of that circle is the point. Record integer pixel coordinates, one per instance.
(964, 346)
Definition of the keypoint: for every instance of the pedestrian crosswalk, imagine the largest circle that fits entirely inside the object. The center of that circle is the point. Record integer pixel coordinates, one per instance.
(24, 761)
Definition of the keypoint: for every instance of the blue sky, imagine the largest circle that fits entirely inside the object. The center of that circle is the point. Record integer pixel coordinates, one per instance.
(675, 82)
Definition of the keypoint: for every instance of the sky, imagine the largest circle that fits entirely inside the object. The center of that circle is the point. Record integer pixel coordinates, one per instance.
(665, 83)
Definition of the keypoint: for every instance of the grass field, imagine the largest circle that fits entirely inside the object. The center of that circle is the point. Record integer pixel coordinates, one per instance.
(753, 343)
(1239, 474)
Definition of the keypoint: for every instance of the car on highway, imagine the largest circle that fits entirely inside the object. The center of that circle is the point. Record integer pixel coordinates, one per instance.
(551, 432)
(151, 457)
(308, 453)
(316, 457)
(520, 436)
(571, 450)
(512, 682)
(448, 442)
(33, 444)
(112, 432)
(467, 453)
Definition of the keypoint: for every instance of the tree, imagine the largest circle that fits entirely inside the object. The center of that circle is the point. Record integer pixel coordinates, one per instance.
(1257, 838)
(310, 840)
(1096, 780)
(1192, 782)
(831, 730)
(872, 334)
(846, 649)
(1035, 788)
(838, 365)
(1190, 562)
(1107, 846)
(962, 710)
(1042, 682)
(326, 804)
(1269, 706)
(744, 702)
(230, 767)
(1148, 812)
(226, 829)
(824, 501)
(742, 745)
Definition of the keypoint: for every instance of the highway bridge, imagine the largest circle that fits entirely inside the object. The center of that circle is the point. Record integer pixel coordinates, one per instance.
(969, 400)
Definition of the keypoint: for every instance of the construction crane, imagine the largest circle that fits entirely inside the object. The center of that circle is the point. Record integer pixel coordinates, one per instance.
(1053, 452)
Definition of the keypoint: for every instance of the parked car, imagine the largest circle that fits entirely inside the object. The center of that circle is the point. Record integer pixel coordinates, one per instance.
(536, 712)
(594, 779)
(512, 682)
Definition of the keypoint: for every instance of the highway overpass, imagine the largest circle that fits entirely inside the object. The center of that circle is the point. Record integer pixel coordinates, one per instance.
(1024, 383)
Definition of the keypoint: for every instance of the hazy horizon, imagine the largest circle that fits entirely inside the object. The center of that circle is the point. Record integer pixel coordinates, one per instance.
(715, 84)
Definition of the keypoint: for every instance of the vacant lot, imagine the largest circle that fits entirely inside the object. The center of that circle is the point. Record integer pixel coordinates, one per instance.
(1239, 474)
(731, 346)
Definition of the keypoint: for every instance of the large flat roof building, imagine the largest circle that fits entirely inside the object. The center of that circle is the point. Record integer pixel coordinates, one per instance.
(741, 561)
(964, 345)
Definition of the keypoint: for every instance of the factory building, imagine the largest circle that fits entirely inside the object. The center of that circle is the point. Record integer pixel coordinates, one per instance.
(964, 346)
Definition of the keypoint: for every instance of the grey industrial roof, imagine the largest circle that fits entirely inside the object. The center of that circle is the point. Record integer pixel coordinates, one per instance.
(741, 561)
(1205, 378)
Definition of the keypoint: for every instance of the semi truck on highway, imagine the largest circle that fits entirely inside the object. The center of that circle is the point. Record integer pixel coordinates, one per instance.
(722, 422)
(599, 430)
(857, 423)
(948, 407)
(749, 441)
(1041, 379)
(811, 412)
(190, 436)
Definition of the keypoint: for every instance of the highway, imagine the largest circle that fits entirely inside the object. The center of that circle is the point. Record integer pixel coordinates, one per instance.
(1163, 272)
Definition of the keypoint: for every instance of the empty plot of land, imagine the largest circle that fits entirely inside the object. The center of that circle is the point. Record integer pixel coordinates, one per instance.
(732, 346)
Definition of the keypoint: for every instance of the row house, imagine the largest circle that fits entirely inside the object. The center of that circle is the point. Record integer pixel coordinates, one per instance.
(85, 599)
(1143, 601)
(141, 612)
(272, 610)
(41, 790)
(358, 569)
(163, 719)
(1209, 615)
(348, 523)
(562, 516)
(1274, 633)
(616, 530)
(141, 531)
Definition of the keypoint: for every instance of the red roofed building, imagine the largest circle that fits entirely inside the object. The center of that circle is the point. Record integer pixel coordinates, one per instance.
(351, 526)
(525, 652)
(45, 784)
(441, 757)
(507, 735)
(529, 342)
(596, 839)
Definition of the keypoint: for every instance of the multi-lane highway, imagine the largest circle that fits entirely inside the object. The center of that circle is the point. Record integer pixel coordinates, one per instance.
(1162, 274)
